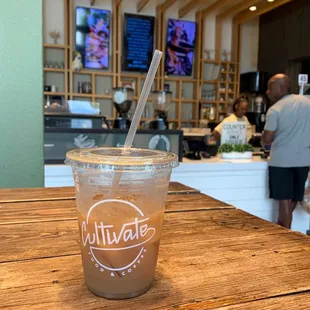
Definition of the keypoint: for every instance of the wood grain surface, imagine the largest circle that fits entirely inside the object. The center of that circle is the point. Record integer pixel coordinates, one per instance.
(289, 302)
(26, 241)
(212, 256)
(25, 212)
(36, 194)
(62, 193)
(207, 260)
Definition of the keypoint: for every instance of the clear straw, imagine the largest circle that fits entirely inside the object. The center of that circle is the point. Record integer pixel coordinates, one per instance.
(138, 113)
(142, 100)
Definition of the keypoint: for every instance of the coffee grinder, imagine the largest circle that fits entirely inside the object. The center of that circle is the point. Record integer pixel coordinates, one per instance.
(257, 111)
(161, 103)
(254, 86)
(122, 99)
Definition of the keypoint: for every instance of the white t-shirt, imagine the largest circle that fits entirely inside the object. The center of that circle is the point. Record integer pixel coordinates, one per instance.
(234, 118)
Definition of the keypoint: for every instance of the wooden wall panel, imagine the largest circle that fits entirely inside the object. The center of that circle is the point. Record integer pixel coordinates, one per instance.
(293, 34)
(284, 37)
(272, 52)
(305, 28)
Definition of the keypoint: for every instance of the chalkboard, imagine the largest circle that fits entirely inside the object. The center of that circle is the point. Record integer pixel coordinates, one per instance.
(234, 133)
(138, 42)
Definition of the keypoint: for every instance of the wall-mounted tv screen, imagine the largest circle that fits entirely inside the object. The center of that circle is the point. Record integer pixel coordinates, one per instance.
(93, 37)
(138, 42)
(180, 47)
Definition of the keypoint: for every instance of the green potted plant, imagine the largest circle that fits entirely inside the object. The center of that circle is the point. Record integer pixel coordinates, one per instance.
(236, 151)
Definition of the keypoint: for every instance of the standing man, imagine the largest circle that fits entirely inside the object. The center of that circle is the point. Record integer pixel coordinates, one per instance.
(287, 130)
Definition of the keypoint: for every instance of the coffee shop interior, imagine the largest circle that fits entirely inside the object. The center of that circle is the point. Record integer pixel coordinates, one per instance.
(72, 72)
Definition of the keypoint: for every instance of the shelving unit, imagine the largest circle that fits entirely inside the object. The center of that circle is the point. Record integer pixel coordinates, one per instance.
(188, 92)
(54, 70)
(55, 46)
(219, 87)
(57, 53)
(49, 93)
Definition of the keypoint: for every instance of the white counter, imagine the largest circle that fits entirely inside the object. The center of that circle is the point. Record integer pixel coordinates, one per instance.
(242, 183)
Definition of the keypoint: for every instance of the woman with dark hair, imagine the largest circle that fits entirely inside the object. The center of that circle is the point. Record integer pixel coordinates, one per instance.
(240, 108)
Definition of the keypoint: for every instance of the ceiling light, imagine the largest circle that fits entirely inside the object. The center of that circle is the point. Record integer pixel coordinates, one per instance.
(253, 8)
(270, 0)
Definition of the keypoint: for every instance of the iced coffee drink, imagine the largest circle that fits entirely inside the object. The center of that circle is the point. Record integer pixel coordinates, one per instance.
(120, 228)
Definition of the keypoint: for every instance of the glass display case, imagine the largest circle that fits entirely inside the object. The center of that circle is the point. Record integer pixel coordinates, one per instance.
(58, 141)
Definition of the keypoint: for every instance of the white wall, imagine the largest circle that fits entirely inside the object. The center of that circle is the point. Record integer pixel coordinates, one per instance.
(226, 35)
(249, 46)
(130, 6)
(209, 31)
(249, 41)
(53, 16)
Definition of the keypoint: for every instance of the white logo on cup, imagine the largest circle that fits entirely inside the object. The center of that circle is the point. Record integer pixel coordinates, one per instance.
(105, 238)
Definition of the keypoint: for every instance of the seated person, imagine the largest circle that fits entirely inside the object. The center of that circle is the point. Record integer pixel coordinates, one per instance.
(240, 108)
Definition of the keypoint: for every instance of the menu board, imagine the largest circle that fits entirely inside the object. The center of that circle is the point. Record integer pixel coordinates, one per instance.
(138, 42)
(180, 48)
(234, 133)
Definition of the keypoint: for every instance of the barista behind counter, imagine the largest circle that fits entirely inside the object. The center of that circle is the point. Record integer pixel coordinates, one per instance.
(240, 108)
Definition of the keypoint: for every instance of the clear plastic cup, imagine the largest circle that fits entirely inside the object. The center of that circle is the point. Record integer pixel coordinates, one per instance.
(120, 228)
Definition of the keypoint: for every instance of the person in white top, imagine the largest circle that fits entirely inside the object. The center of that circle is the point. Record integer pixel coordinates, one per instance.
(240, 108)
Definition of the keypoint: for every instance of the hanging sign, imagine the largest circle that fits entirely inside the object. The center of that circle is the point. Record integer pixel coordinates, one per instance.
(302, 80)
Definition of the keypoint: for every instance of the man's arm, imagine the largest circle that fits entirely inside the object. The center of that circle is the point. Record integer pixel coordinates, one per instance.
(271, 126)
(267, 137)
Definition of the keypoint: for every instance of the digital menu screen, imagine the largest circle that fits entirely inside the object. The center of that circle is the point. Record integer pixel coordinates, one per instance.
(138, 42)
(93, 37)
(180, 48)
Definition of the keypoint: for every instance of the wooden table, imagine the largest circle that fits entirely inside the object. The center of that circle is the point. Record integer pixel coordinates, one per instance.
(67, 193)
(211, 257)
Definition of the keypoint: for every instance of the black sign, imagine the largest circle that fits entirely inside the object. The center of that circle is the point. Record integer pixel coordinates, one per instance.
(138, 42)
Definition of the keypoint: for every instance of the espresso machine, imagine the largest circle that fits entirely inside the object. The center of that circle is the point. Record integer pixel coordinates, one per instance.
(161, 103)
(122, 100)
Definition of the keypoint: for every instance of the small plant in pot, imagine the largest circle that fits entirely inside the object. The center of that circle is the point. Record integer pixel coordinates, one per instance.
(238, 151)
